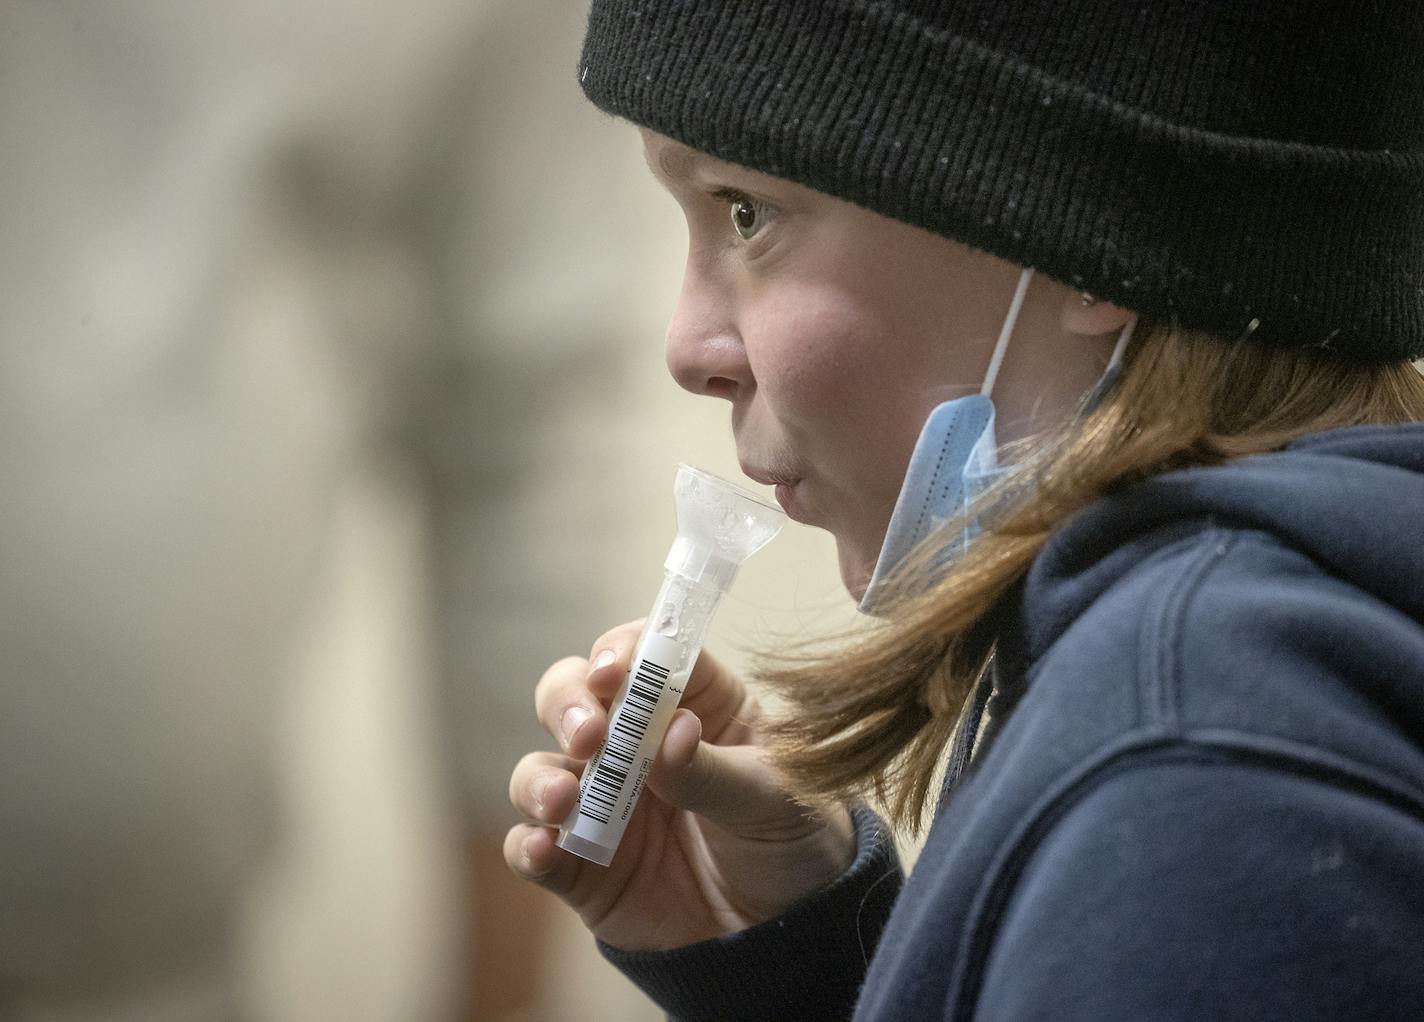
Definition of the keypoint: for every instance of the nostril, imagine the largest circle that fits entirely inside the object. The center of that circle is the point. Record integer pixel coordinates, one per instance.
(720, 386)
(707, 369)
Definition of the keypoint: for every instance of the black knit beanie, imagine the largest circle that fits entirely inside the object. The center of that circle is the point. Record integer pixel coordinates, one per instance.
(1246, 167)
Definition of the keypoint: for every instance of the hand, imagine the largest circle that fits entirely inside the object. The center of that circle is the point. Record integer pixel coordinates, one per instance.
(716, 844)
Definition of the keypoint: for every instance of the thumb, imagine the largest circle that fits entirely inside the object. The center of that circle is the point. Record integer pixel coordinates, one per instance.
(732, 785)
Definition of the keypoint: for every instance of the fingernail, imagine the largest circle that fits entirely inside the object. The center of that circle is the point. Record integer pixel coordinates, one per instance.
(524, 851)
(574, 718)
(604, 659)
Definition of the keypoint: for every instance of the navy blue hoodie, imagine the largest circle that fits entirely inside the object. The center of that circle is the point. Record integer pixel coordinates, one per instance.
(1207, 801)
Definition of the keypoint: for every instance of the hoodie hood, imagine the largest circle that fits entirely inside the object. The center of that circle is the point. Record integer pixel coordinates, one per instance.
(1351, 499)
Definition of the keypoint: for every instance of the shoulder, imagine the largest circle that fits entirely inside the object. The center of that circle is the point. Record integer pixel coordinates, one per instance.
(1221, 637)
(1190, 884)
(1237, 638)
(1233, 629)
(1216, 770)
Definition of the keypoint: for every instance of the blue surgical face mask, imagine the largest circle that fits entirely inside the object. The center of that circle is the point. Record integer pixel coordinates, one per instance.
(955, 459)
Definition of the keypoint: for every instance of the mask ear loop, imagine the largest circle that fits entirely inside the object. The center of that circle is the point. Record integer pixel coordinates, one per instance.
(990, 680)
(1122, 339)
(1107, 381)
(1006, 331)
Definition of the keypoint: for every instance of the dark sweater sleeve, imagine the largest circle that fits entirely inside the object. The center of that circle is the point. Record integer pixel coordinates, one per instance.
(806, 964)
(1212, 887)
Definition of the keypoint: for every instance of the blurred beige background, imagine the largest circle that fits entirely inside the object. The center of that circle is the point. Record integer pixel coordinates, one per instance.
(333, 411)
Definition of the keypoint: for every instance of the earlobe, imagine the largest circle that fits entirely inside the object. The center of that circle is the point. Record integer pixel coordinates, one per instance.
(1086, 314)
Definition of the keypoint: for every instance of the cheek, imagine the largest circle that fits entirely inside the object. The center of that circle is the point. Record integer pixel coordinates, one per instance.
(848, 397)
(823, 363)
(836, 367)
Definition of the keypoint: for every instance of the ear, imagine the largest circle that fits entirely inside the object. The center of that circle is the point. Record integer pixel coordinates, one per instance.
(1101, 317)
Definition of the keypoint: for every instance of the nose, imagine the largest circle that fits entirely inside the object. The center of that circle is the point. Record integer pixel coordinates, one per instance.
(704, 348)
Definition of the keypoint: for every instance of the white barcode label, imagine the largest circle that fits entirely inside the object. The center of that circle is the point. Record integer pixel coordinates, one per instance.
(614, 777)
(628, 728)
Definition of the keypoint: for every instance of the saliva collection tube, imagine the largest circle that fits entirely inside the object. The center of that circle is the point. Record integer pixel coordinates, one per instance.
(719, 526)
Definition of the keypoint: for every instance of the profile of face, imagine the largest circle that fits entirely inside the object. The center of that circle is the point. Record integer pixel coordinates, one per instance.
(833, 332)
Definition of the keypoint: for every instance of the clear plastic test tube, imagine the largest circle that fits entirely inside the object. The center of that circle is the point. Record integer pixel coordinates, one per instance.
(719, 526)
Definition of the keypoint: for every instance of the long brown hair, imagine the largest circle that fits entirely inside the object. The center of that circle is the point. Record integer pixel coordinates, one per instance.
(871, 716)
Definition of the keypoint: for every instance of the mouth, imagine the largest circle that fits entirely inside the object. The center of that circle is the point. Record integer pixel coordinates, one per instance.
(785, 489)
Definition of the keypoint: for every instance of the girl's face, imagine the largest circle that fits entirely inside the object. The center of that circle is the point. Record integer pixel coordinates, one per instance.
(832, 331)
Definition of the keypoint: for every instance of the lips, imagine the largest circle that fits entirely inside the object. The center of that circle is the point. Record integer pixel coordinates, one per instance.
(785, 485)
(767, 477)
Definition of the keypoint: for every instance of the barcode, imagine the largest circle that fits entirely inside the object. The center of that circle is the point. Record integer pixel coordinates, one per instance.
(629, 725)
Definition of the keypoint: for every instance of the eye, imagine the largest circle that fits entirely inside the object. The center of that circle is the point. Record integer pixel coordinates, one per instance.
(748, 215)
(745, 218)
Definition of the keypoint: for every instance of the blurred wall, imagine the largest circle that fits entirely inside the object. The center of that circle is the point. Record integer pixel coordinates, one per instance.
(333, 411)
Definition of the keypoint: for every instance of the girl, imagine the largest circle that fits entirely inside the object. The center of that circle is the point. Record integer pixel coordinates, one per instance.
(1085, 329)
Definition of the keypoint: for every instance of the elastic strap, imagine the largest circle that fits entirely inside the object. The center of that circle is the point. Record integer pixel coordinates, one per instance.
(1006, 331)
(1121, 345)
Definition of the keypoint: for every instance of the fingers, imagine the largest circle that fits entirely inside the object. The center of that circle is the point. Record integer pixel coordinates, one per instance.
(610, 657)
(733, 786)
(572, 697)
(571, 701)
(714, 693)
(544, 787)
(530, 852)
(568, 710)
